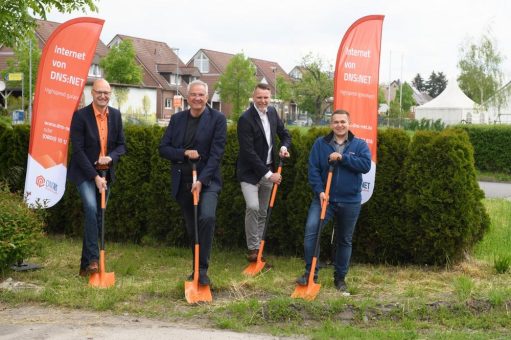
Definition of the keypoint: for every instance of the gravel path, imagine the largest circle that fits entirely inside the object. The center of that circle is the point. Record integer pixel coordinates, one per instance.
(34, 322)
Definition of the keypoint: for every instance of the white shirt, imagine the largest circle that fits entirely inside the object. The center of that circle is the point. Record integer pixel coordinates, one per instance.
(267, 132)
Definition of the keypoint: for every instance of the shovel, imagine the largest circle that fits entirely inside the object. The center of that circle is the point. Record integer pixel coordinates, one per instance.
(102, 279)
(311, 290)
(255, 267)
(195, 292)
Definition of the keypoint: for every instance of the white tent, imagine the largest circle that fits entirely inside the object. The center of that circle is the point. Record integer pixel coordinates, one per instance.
(452, 106)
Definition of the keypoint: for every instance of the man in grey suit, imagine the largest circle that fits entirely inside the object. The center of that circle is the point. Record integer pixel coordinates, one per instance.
(258, 128)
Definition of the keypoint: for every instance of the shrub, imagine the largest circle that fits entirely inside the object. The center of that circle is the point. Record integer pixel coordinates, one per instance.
(21, 229)
(426, 205)
(445, 215)
(491, 146)
(377, 236)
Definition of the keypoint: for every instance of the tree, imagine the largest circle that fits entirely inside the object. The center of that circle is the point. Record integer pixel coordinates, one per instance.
(284, 89)
(17, 22)
(314, 88)
(402, 103)
(418, 83)
(146, 104)
(120, 64)
(481, 75)
(21, 63)
(407, 100)
(436, 84)
(237, 83)
(381, 95)
(121, 96)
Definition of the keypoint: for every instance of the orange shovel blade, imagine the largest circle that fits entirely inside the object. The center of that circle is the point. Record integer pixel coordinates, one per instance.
(194, 292)
(254, 268)
(308, 292)
(102, 279)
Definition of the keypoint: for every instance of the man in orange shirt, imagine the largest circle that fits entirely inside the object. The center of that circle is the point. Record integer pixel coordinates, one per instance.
(98, 142)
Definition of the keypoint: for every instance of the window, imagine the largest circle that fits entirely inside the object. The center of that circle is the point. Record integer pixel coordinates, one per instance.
(168, 103)
(202, 63)
(173, 79)
(94, 71)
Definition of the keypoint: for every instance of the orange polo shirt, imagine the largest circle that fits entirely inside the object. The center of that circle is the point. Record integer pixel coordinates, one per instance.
(102, 121)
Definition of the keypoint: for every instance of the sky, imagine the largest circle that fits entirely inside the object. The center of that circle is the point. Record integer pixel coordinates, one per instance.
(418, 36)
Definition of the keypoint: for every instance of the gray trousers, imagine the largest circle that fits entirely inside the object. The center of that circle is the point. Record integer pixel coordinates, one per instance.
(257, 198)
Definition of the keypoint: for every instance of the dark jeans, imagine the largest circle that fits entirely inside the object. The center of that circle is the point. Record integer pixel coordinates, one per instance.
(206, 215)
(346, 218)
(91, 199)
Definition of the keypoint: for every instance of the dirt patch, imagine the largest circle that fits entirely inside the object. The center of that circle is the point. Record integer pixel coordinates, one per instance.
(35, 322)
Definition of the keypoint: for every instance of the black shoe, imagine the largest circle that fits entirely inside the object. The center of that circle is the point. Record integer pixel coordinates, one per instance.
(204, 280)
(340, 285)
(252, 255)
(304, 279)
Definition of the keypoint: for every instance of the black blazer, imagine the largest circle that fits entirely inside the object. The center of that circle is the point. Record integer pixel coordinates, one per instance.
(86, 146)
(253, 152)
(209, 141)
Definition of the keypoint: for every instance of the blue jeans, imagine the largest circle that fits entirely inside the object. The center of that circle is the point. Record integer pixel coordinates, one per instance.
(346, 215)
(206, 219)
(91, 199)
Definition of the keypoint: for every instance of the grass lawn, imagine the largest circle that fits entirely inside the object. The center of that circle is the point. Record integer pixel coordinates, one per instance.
(468, 300)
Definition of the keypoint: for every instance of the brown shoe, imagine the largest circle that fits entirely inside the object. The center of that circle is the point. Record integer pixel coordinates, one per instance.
(92, 268)
(252, 255)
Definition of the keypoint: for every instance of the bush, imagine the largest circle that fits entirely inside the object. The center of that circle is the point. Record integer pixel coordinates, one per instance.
(21, 229)
(445, 215)
(376, 237)
(491, 146)
(426, 205)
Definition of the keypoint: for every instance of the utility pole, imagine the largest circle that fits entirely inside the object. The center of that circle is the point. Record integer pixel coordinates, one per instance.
(388, 92)
(177, 102)
(274, 70)
(30, 81)
(401, 92)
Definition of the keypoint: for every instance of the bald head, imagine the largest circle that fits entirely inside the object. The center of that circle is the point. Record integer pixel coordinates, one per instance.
(101, 93)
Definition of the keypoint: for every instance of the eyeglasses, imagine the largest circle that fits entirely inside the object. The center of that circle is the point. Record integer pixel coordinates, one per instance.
(102, 93)
(194, 95)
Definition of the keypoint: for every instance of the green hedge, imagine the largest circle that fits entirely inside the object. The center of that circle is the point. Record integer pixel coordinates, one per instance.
(426, 206)
(491, 146)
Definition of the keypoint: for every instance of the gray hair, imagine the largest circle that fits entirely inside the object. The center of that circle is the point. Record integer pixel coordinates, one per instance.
(197, 82)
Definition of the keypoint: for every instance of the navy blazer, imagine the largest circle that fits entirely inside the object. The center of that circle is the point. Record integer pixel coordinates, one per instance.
(251, 164)
(209, 141)
(86, 145)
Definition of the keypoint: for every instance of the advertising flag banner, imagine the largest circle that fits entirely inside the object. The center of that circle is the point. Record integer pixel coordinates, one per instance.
(356, 85)
(62, 74)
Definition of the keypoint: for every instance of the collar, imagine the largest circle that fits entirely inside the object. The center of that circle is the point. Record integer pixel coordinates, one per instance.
(261, 113)
(98, 112)
(200, 115)
(328, 138)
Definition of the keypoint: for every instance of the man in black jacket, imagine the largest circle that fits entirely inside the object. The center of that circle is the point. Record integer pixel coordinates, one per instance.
(197, 135)
(97, 140)
(257, 130)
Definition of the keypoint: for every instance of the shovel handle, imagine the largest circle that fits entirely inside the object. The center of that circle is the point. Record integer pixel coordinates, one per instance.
(275, 186)
(194, 180)
(103, 199)
(324, 204)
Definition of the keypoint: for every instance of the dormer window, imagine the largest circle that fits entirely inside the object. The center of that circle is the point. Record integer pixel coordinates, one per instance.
(202, 63)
